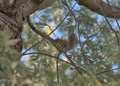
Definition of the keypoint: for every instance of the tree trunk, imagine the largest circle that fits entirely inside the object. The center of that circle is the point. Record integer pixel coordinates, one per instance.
(13, 13)
(14, 21)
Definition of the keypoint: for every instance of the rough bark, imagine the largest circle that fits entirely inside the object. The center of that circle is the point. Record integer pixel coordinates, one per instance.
(101, 8)
(13, 13)
(14, 21)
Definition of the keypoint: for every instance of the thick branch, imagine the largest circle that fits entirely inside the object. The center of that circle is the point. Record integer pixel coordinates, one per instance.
(101, 8)
(28, 6)
(97, 6)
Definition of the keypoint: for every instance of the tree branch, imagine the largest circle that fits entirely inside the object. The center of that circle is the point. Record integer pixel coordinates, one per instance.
(97, 5)
(29, 6)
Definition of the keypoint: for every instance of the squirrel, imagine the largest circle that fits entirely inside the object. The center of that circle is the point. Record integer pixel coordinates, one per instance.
(63, 45)
(69, 44)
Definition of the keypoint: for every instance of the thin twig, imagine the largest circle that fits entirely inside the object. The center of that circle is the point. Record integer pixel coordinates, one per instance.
(107, 71)
(57, 58)
(73, 63)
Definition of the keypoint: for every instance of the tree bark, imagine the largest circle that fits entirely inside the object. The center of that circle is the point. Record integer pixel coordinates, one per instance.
(102, 8)
(12, 14)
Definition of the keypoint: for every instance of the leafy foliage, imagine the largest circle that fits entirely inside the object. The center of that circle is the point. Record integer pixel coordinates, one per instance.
(96, 54)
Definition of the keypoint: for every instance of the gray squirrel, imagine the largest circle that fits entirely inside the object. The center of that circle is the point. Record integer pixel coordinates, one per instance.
(68, 44)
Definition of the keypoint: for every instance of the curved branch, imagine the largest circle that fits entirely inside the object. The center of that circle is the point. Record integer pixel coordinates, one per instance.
(97, 6)
(41, 34)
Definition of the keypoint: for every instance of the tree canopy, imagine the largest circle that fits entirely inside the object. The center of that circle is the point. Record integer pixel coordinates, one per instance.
(31, 55)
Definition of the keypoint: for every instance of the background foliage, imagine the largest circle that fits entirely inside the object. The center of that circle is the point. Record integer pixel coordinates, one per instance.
(96, 55)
